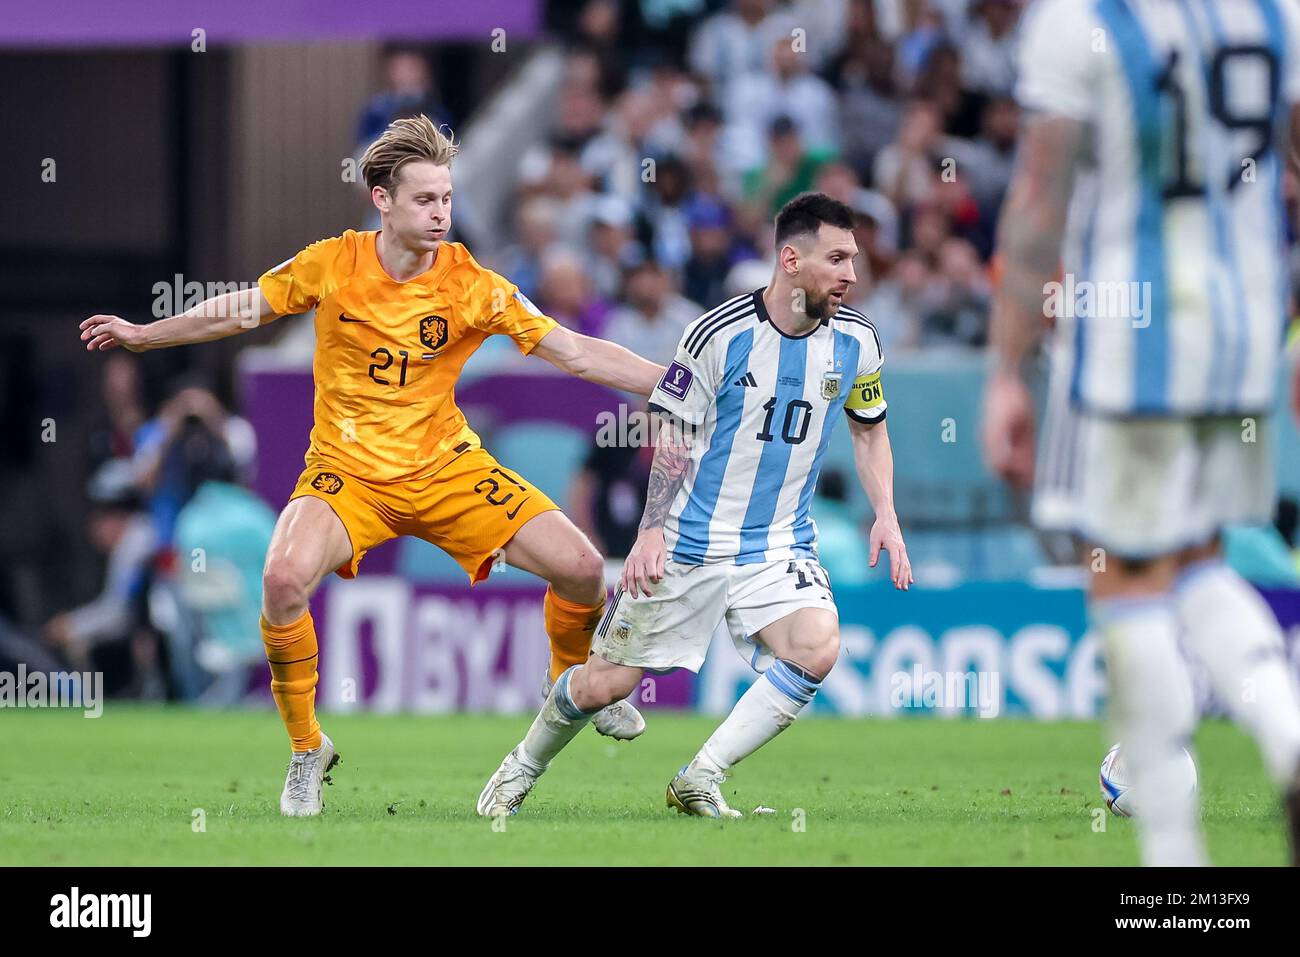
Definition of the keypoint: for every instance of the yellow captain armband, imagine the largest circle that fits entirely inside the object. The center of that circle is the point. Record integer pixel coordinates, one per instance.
(866, 392)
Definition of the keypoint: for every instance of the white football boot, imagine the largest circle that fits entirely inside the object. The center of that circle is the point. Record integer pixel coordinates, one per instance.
(618, 720)
(308, 770)
(507, 788)
(699, 793)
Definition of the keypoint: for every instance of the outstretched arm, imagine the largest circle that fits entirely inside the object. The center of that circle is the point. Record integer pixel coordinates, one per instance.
(645, 563)
(599, 361)
(214, 318)
(873, 458)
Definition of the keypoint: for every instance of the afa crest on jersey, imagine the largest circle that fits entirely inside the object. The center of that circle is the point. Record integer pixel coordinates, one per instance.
(433, 332)
(831, 385)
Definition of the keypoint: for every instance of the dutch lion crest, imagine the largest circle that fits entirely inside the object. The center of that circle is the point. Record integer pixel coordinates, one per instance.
(433, 332)
(327, 482)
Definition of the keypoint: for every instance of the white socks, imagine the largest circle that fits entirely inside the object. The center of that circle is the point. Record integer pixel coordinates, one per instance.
(769, 707)
(556, 725)
(1229, 628)
(1153, 713)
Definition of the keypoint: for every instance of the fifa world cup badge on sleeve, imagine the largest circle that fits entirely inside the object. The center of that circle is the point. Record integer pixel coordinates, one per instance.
(676, 381)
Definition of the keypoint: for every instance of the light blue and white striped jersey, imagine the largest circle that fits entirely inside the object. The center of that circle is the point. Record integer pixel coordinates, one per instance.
(764, 405)
(1175, 289)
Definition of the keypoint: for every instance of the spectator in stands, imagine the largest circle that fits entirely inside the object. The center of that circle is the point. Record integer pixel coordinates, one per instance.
(667, 235)
(535, 228)
(959, 317)
(735, 43)
(924, 36)
(790, 169)
(613, 249)
(639, 126)
(702, 151)
(582, 104)
(120, 529)
(869, 104)
(941, 84)
(713, 251)
(904, 170)
(607, 496)
(565, 293)
(988, 47)
(899, 302)
(162, 460)
(986, 163)
(222, 536)
(749, 275)
(929, 227)
(122, 410)
(655, 314)
(786, 89)
(408, 91)
(566, 181)
(861, 35)
(596, 33)
(951, 199)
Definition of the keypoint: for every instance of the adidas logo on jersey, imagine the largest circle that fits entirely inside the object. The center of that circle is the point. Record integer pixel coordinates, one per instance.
(747, 381)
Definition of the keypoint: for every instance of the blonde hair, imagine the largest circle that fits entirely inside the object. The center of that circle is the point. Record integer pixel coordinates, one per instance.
(407, 140)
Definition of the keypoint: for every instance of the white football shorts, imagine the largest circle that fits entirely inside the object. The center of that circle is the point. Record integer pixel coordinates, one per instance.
(672, 628)
(1145, 487)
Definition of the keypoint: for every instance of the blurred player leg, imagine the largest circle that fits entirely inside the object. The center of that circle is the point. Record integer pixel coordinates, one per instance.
(551, 547)
(1152, 703)
(1230, 629)
(806, 644)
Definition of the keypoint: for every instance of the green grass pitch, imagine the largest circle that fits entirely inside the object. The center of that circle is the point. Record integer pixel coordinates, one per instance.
(127, 788)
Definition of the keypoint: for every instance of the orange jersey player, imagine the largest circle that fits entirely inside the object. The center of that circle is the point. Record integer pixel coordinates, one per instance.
(398, 311)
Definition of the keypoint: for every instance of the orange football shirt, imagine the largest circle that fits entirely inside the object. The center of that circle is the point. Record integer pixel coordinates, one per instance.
(388, 353)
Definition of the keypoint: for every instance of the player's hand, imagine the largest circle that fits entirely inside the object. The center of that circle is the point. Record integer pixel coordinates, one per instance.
(644, 565)
(1008, 429)
(886, 534)
(105, 332)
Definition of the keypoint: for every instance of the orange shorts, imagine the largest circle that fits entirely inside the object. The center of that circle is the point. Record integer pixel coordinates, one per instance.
(469, 508)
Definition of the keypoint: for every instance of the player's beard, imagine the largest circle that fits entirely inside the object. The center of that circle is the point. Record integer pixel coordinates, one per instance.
(818, 308)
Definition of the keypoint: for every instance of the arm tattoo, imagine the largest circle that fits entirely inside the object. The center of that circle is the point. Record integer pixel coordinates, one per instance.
(667, 472)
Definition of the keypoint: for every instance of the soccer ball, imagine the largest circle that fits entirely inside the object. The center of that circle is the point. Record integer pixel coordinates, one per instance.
(1117, 790)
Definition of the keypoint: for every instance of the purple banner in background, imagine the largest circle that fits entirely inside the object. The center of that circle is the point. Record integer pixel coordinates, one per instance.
(81, 23)
(389, 645)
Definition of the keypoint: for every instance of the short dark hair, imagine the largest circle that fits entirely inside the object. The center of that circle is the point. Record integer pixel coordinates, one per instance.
(806, 213)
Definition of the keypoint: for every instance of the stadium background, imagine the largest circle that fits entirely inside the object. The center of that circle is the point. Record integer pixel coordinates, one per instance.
(621, 163)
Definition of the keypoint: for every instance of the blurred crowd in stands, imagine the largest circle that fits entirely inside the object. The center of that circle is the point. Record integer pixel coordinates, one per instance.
(653, 197)
(680, 128)
(182, 540)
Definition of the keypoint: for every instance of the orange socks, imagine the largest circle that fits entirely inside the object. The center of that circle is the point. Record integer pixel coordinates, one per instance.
(292, 653)
(570, 627)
